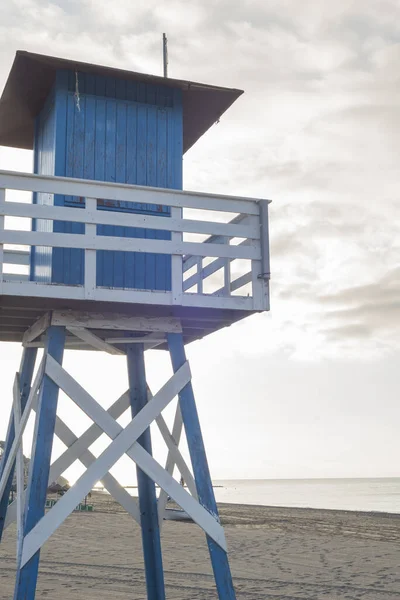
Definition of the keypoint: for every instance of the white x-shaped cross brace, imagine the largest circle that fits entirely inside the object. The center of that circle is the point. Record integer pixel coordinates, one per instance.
(124, 441)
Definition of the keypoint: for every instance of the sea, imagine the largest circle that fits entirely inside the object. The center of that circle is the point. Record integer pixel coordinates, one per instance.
(369, 495)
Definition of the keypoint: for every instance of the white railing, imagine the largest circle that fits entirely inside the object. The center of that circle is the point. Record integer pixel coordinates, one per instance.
(228, 268)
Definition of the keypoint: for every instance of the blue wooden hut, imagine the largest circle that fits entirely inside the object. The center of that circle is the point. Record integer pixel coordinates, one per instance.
(96, 123)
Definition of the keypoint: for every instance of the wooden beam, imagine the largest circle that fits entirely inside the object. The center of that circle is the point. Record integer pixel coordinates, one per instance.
(128, 193)
(176, 455)
(147, 497)
(2, 211)
(116, 321)
(151, 337)
(20, 430)
(76, 451)
(251, 250)
(19, 466)
(91, 216)
(218, 553)
(122, 442)
(37, 329)
(94, 340)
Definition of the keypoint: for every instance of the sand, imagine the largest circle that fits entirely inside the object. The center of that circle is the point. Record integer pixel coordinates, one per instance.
(275, 553)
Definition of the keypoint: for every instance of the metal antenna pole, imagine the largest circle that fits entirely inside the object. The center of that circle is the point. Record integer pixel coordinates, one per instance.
(165, 54)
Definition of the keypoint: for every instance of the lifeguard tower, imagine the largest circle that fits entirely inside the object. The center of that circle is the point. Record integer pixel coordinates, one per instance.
(117, 259)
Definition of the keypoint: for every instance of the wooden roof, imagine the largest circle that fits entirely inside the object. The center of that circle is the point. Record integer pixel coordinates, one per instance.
(32, 76)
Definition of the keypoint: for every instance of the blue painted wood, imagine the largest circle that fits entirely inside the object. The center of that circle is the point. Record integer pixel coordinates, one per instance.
(25, 380)
(219, 557)
(60, 150)
(146, 487)
(122, 133)
(39, 467)
(32, 262)
(44, 163)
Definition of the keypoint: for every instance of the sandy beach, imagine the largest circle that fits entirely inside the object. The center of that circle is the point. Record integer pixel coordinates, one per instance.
(277, 553)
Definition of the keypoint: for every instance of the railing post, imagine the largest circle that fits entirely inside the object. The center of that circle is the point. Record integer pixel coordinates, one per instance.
(227, 273)
(90, 254)
(199, 275)
(261, 268)
(2, 211)
(176, 263)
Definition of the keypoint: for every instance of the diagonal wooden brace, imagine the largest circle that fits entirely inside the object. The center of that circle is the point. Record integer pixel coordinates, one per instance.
(77, 448)
(21, 428)
(122, 442)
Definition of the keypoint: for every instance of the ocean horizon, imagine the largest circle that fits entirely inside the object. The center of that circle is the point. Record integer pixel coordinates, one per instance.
(378, 494)
(374, 494)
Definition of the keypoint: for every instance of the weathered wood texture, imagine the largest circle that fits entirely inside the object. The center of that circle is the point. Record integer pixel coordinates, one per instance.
(124, 132)
(218, 555)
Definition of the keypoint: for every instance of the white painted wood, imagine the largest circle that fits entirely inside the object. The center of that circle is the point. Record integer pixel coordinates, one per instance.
(2, 209)
(43, 290)
(257, 285)
(90, 255)
(70, 342)
(209, 301)
(77, 449)
(264, 239)
(115, 321)
(16, 257)
(108, 481)
(199, 275)
(176, 455)
(132, 296)
(127, 193)
(94, 340)
(74, 240)
(76, 215)
(151, 338)
(227, 275)
(16, 277)
(236, 284)
(189, 504)
(19, 463)
(54, 518)
(93, 410)
(36, 329)
(190, 261)
(37, 290)
(170, 462)
(21, 428)
(176, 262)
(123, 441)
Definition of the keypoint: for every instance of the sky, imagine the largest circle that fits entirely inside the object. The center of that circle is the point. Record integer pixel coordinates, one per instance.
(310, 389)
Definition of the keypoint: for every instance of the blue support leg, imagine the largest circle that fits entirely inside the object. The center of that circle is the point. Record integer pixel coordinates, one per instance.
(25, 586)
(146, 488)
(190, 418)
(25, 380)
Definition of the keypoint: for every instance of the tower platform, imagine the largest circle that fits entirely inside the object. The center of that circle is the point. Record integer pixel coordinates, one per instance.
(213, 282)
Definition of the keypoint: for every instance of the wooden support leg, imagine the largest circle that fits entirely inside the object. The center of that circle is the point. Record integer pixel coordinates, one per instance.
(26, 580)
(219, 557)
(146, 487)
(26, 373)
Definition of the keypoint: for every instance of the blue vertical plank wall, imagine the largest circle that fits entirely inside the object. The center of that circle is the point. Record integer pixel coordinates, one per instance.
(44, 164)
(122, 131)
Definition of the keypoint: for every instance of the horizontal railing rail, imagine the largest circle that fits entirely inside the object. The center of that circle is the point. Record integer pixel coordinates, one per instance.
(244, 238)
